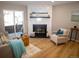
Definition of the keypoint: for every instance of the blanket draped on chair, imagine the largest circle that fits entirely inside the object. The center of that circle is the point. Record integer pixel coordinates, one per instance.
(17, 47)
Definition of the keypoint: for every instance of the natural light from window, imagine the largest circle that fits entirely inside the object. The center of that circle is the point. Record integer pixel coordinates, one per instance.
(12, 17)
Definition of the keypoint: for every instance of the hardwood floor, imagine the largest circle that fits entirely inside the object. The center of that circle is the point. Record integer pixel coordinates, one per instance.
(50, 50)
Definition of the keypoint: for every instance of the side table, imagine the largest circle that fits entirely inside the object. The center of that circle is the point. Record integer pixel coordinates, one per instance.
(76, 32)
(25, 39)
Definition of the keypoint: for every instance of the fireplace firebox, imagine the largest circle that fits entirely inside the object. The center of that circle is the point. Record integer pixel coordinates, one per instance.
(40, 30)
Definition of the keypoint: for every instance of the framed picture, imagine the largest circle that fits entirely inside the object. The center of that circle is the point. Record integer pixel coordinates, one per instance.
(75, 16)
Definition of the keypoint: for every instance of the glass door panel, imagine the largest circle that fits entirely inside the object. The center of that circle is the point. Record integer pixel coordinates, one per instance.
(19, 22)
(9, 21)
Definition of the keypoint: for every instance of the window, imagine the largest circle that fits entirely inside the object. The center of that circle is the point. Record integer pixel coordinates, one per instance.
(8, 18)
(18, 17)
(13, 21)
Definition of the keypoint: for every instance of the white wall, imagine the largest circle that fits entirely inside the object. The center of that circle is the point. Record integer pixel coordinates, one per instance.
(43, 21)
(62, 16)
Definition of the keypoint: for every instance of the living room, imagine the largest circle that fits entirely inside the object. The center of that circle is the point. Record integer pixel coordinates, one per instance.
(45, 27)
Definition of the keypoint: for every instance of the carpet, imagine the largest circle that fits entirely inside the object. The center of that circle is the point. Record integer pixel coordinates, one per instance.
(31, 50)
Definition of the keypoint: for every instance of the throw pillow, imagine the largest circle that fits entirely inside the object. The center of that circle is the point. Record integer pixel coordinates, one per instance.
(59, 32)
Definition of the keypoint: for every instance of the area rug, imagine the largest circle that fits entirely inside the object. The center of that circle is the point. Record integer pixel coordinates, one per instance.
(31, 50)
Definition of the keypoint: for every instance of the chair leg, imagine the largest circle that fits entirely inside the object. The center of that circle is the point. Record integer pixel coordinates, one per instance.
(56, 44)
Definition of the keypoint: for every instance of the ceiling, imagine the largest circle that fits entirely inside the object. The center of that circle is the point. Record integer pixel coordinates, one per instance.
(37, 2)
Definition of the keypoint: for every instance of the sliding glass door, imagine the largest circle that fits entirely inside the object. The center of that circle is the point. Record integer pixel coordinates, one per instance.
(13, 22)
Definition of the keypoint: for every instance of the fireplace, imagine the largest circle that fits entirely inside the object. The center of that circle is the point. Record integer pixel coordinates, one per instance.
(40, 30)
